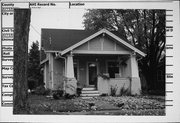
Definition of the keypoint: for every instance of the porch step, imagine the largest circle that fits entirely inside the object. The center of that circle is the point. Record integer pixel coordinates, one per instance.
(86, 97)
(90, 95)
(89, 92)
(89, 89)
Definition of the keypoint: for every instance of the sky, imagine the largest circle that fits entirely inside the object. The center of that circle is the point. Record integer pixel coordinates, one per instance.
(54, 18)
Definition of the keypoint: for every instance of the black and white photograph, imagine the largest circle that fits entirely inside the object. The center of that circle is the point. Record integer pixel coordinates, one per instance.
(89, 61)
(78, 61)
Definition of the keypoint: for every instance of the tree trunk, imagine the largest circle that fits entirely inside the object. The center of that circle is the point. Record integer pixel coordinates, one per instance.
(21, 34)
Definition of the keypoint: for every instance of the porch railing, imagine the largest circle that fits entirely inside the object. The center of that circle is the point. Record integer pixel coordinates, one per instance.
(104, 85)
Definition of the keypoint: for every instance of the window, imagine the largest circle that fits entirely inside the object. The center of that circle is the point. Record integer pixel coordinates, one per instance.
(113, 69)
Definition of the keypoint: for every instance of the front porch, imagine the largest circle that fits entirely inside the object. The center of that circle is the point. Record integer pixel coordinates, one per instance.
(87, 68)
(104, 73)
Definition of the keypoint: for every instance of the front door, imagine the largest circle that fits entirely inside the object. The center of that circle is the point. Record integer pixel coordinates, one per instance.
(92, 73)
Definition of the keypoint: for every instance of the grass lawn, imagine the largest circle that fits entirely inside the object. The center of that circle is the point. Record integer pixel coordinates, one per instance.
(108, 105)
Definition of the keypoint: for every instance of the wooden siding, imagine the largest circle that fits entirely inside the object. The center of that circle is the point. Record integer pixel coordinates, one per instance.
(50, 71)
(82, 71)
(58, 67)
(95, 44)
(46, 74)
(83, 47)
(108, 45)
(101, 43)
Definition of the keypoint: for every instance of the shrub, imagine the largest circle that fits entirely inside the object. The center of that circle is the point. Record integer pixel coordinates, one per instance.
(79, 91)
(68, 96)
(47, 92)
(40, 90)
(32, 84)
(124, 91)
(113, 90)
(57, 94)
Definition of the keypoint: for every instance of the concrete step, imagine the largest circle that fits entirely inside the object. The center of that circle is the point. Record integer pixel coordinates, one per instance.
(86, 97)
(89, 89)
(90, 95)
(90, 92)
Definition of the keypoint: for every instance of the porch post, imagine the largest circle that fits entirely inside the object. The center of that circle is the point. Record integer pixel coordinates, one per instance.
(134, 66)
(70, 82)
(70, 66)
(135, 80)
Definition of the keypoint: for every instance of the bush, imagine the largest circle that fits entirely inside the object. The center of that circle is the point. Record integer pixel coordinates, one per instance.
(47, 92)
(32, 84)
(113, 90)
(124, 91)
(40, 90)
(57, 94)
(79, 91)
(68, 96)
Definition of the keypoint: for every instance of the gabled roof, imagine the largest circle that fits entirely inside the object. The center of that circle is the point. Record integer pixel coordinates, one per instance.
(66, 40)
(61, 39)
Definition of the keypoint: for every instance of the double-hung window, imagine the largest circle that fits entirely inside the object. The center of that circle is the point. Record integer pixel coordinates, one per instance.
(113, 68)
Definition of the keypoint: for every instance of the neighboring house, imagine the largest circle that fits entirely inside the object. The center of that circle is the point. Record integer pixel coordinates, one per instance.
(91, 59)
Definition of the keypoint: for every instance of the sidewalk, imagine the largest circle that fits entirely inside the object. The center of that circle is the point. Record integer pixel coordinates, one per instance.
(102, 112)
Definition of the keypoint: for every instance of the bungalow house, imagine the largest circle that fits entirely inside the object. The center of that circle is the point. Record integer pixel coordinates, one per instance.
(97, 61)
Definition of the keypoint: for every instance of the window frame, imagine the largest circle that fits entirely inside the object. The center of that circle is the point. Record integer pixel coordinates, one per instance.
(120, 70)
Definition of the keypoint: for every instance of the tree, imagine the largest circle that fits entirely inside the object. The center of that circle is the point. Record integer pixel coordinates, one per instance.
(21, 34)
(96, 19)
(34, 68)
(144, 29)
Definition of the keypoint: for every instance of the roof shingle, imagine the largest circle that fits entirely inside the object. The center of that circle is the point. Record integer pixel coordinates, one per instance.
(60, 39)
